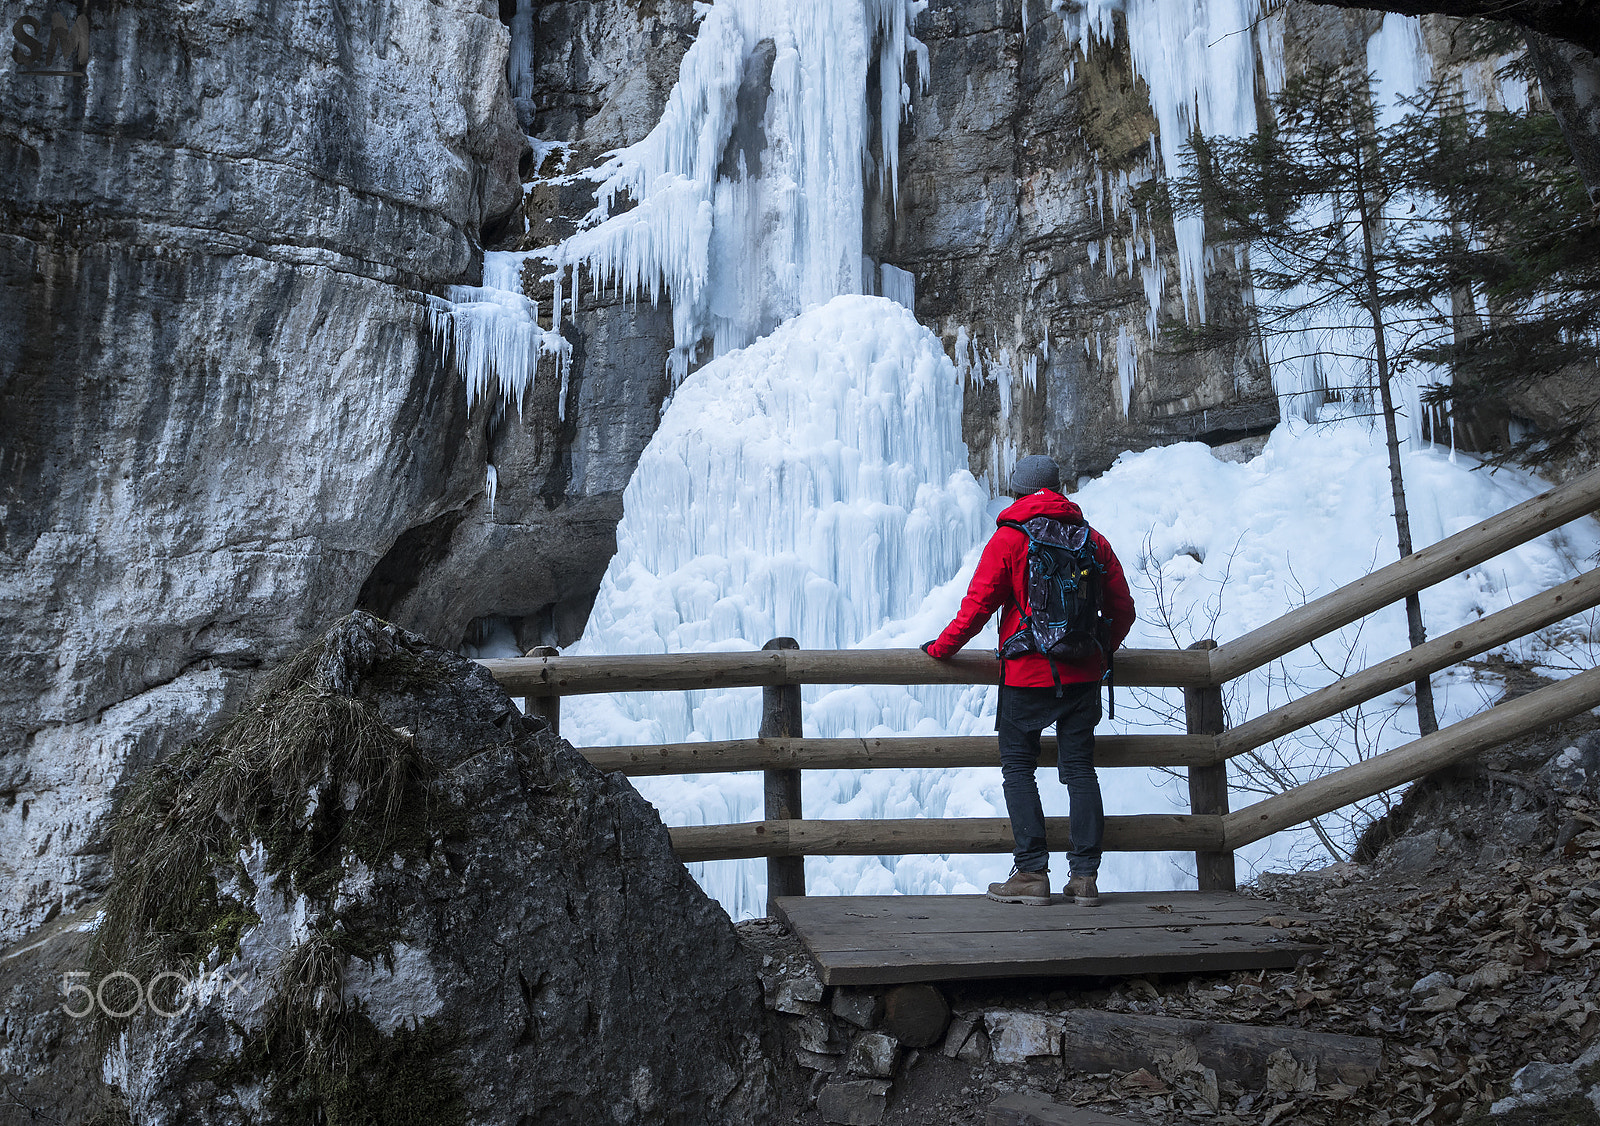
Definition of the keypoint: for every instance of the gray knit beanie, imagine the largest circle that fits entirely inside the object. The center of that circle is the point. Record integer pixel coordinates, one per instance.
(1035, 472)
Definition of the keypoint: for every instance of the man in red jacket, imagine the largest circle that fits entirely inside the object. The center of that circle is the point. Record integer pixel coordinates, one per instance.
(1033, 695)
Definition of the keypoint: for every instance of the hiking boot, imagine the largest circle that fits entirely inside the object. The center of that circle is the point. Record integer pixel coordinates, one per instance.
(1082, 891)
(1032, 888)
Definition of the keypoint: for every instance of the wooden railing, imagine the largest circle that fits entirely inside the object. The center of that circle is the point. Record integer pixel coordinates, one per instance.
(1210, 829)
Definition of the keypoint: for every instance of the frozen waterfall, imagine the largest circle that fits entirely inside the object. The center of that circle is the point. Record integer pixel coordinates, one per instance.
(811, 481)
(747, 222)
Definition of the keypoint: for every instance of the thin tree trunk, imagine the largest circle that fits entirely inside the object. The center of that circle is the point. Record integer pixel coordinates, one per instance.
(1427, 717)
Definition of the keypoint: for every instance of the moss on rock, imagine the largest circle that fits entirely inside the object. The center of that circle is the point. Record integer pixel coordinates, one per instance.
(310, 778)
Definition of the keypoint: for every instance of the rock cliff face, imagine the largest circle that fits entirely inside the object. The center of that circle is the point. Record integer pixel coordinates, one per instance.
(599, 75)
(222, 403)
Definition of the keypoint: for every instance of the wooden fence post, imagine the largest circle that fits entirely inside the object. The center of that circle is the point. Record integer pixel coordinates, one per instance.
(547, 708)
(780, 719)
(1208, 785)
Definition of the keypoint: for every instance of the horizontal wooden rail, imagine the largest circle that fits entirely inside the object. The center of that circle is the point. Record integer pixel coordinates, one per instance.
(1210, 831)
(892, 753)
(1151, 832)
(1516, 621)
(1439, 561)
(675, 672)
(1525, 714)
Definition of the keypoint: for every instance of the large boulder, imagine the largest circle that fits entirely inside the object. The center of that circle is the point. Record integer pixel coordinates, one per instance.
(387, 896)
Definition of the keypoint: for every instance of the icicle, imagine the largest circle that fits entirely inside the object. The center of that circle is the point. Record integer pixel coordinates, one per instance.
(491, 485)
(519, 64)
(900, 286)
(1127, 367)
(1198, 60)
(1000, 372)
(492, 332)
(1154, 275)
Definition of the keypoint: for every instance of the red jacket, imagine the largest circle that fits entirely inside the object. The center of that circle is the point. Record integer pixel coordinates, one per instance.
(1000, 582)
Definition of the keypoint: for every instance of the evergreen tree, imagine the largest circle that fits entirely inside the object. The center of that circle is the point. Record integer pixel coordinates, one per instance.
(1525, 246)
(1320, 198)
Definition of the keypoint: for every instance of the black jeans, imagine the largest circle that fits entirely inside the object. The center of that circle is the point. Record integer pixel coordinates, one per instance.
(1024, 713)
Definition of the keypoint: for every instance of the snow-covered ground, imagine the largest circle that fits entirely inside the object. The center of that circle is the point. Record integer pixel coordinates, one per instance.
(814, 485)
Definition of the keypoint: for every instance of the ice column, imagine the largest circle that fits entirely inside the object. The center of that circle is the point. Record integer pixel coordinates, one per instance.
(519, 64)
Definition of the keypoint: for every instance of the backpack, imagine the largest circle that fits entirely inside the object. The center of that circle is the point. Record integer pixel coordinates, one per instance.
(1065, 588)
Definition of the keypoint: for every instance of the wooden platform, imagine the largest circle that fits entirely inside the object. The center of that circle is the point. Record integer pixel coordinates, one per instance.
(873, 940)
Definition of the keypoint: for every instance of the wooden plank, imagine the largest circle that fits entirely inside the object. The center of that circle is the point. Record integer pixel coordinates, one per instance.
(670, 672)
(1115, 954)
(1054, 920)
(952, 937)
(547, 708)
(634, 672)
(1530, 614)
(962, 947)
(1096, 1041)
(909, 752)
(1148, 832)
(1141, 904)
(1140, 667)
(781, 719)
(1538, 709)
(850, 916)
(1204, 714)
(1439, 561)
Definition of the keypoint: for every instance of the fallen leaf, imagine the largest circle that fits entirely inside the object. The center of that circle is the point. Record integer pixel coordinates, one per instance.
(1142, 1080)
(1444, 1001)
(1489, 976)
(1285, 1073)
(1307, 997)
(1276, 1112)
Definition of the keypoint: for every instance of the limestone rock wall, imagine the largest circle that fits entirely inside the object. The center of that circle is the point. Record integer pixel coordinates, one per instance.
(221, 399)
(600, 74)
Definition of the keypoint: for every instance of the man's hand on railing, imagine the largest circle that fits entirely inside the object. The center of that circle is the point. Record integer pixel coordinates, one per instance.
(926, 648)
